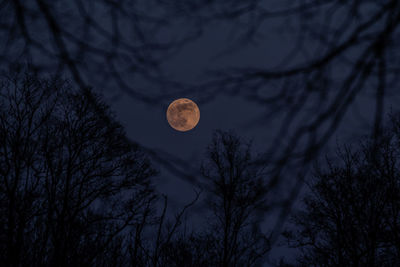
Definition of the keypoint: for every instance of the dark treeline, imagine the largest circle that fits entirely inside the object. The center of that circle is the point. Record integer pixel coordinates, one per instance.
(351, 213)
(70, 181)
(75, 192)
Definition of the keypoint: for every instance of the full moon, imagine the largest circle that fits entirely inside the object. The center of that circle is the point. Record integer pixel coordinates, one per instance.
(183, 114)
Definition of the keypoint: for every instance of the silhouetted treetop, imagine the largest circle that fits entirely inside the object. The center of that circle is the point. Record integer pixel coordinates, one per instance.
(237, 198)
(351, 214)
(71, 181)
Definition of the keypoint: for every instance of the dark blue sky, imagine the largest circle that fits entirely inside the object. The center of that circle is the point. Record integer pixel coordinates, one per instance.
(139, 92)
(146, 123)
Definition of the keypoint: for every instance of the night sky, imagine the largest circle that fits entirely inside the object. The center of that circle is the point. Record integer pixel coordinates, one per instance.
(217, 49)
(147, 124)
(213, 54)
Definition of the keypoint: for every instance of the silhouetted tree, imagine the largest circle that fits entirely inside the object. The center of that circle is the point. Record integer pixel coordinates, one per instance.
(71, 183)
(235, 200)
(236, 196)
(351, 215)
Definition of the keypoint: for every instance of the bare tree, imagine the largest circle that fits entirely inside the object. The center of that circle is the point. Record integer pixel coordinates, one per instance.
(235, 200)
(237, 195)
(351, 214)
(71, 181)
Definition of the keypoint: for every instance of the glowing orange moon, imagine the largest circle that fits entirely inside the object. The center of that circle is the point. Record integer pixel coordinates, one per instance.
(183, 114)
